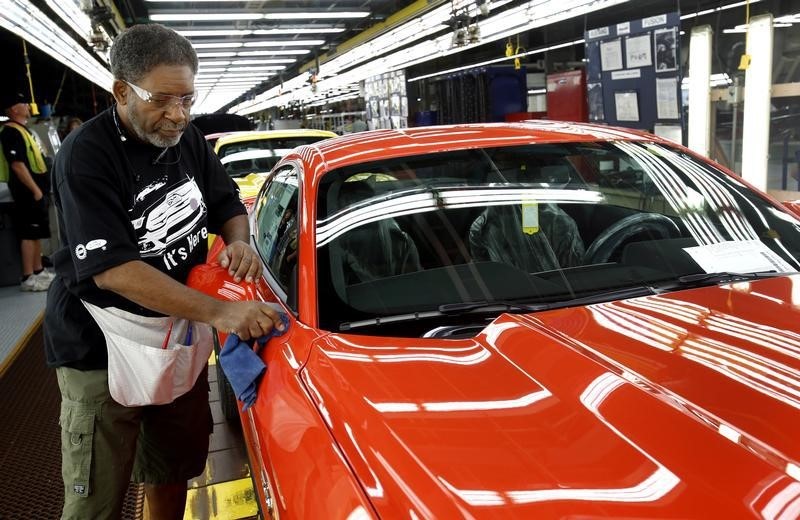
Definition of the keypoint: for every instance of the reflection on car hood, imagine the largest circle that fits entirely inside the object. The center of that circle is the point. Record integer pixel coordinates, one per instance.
(678, 405)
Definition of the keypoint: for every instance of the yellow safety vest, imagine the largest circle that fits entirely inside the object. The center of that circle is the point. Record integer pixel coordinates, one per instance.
(34, 153)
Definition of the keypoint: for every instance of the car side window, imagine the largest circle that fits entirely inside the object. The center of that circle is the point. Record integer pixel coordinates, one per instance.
(276, 221)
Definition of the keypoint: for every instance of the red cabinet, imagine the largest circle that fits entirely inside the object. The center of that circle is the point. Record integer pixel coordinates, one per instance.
(566, 96)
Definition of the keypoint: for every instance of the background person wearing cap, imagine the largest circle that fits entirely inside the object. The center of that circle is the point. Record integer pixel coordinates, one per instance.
(29, 184)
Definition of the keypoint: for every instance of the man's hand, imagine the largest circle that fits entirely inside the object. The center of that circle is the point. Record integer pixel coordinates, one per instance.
(241, 261)
(247, 319)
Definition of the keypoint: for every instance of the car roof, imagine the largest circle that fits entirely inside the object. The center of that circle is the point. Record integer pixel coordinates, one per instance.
(381, 144)
(236, 137)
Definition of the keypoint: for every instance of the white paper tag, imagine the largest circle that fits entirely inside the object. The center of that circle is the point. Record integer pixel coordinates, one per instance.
(530, 218)
(747, 256)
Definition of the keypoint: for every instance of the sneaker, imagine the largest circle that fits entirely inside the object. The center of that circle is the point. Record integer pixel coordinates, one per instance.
(35, 283)
(46, 274)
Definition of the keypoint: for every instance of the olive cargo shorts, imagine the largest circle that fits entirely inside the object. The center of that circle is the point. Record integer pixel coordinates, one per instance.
(105, 445)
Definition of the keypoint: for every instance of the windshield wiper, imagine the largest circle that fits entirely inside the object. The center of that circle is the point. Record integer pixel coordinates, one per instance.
(513, 306)
(701, 279)
(489, 305)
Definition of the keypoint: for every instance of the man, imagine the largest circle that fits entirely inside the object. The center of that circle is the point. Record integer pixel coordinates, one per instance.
(29, 184)
(137, 191)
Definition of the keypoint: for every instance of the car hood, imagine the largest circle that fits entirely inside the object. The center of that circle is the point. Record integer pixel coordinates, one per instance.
(681, 405)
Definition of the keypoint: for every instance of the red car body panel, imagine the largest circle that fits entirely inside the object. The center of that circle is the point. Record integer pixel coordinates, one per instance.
(284, 422)
(681, 405)
(595, 411)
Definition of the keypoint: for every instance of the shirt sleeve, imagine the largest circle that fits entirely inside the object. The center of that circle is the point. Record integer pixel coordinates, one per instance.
(96, 226)
(222, 193)
(13, 145)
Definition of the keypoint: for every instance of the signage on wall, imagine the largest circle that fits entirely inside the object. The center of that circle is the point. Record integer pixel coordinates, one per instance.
(633, 74)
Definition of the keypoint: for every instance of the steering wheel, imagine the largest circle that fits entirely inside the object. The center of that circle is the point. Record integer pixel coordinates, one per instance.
(611, 239)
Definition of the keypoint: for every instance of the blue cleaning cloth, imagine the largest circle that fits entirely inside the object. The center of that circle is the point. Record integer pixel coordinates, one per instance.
(243, 367)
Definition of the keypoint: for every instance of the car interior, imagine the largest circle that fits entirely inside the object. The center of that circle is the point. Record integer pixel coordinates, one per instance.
(428, 233)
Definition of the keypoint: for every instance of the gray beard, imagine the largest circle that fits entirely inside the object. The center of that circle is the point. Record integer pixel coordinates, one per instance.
(153, 138)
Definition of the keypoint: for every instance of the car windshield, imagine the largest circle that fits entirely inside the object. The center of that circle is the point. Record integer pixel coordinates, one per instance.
(275, 144)
(410, 244)
(240, 164)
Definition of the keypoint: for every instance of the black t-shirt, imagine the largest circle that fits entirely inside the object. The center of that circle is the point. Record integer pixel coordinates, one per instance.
(14, 149)
(122, 200)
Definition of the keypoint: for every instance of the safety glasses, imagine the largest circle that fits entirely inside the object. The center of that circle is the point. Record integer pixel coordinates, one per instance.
(163, 101)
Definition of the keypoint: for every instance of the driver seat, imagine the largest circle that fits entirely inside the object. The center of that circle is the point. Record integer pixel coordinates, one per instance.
(376, 250)
(496, 235)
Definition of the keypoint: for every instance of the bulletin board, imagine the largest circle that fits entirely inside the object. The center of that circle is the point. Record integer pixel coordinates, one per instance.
(633, 74)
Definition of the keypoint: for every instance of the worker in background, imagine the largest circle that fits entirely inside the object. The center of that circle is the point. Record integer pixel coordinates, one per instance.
(29, 184)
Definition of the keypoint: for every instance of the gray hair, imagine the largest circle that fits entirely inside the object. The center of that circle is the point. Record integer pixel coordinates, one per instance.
(139, 49)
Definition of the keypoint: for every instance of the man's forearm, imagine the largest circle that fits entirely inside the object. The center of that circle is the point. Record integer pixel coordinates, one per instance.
(154, 290)
(236, 228)
(24, 176)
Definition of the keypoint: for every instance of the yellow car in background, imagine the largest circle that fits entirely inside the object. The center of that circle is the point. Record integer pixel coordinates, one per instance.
(249, 156)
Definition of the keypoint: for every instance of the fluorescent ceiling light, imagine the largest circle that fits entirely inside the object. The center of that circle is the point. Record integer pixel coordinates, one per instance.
(216, 63)
(201, 55)
(283, 43)
(232, 75)
(28, 22)
(218, 45)
(518, 19)
(498, 60)
(319, 30)
(198, 33)
(319, 15)
(216, 32)
(72, 14)
(217, 17)
(228, 83)
(273, 43)
(243, 54)
(280, 52)
(236, 69)
(261, 61)
(204, 17)
(714, 10)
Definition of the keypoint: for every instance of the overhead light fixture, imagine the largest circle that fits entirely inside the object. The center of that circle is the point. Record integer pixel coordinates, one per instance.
(30, 23)
(218, 45)
(361, 62)
(319, 15)
(299, 30)
(215, 32)
(71, 13)
(205, 71)
(228, 16)
(262, 61)
(284, 43)
(205, 17)
(201, 55)
(720, 8)
(280, 52)
(80, 22)
(200, 33)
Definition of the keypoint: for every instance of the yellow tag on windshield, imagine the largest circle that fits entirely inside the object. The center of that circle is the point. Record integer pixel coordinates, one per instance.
(530, 218)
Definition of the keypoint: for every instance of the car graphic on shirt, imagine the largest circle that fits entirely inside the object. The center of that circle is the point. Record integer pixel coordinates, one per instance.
(170, 218)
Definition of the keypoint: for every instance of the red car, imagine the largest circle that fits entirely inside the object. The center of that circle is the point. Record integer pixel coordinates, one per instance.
(528, 320)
